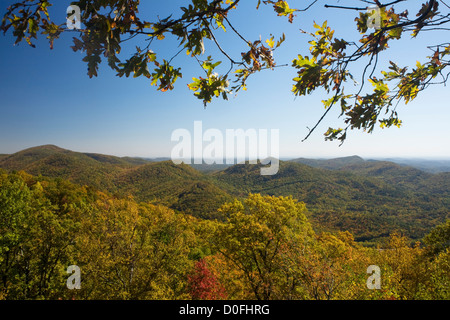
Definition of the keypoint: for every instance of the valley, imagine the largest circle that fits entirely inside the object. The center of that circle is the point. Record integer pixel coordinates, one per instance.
(371, 199)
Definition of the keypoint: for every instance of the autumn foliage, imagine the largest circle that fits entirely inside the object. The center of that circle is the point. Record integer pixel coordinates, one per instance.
(203, 284)
(365, 99)
(262, 248)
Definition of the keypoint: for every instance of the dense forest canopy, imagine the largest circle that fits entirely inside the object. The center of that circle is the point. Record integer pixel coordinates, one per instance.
(371, 199)
(187, 240)
(263, 248)
(91, 226)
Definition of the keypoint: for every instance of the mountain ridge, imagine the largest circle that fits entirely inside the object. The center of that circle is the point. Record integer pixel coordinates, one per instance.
(367, 198)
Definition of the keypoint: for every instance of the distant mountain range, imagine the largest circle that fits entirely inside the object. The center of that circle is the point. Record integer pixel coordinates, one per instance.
(432, 166)
(368, 198)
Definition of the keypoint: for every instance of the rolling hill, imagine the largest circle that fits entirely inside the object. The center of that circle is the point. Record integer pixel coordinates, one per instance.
(368, 206)
(331, 164)
(389, 171)
(81, 168)
(177, 186)
(432, 166)
(368, 198)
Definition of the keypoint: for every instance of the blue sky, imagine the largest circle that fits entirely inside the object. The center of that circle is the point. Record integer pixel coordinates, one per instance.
(47, 97)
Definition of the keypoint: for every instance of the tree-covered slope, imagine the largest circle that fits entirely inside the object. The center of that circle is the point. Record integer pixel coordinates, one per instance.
(368, 198)
(390, 171)
(178, 186)
(55, 235)
(332, 164)
(368, 206)
(55, 162)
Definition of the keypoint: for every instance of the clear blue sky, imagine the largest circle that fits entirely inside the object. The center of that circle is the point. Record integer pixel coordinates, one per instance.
(47, 97)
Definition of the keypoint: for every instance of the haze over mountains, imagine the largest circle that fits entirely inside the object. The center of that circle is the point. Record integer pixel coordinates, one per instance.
(348, 163)
(368, 198)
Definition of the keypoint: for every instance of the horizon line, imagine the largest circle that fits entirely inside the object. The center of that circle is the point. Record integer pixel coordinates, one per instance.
(281, 157)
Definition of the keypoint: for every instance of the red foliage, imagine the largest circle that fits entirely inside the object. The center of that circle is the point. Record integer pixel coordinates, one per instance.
(203, 284)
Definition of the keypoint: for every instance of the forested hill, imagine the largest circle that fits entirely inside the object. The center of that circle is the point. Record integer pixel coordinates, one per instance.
(394, 173)
(332, 164)
(368, 198)
(389, 171)
(80, 168)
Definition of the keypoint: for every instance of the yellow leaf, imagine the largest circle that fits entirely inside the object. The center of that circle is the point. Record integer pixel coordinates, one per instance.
(270, 42)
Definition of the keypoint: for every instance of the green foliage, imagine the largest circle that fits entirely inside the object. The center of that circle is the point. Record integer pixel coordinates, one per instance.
(438, 240)
(108, 25)
(371, 199)
(180, 187)
(103, 36)
(211, 86)
(125, 250)
(254, 234)
(265, 248)
(368, 198)
(36, 236)
(139, 251)
(437, 281)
